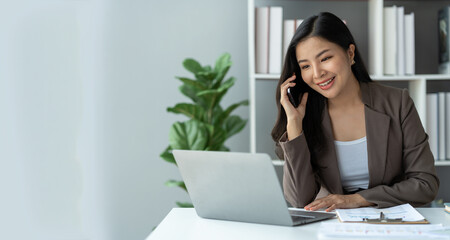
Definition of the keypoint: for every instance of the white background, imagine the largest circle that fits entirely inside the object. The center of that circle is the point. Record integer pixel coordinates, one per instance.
(84, 87)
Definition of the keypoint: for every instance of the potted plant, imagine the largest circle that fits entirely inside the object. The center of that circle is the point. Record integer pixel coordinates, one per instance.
(208, 125)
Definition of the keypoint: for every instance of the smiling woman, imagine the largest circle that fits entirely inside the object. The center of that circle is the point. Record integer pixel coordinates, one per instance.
(320, 69)
(361, 141)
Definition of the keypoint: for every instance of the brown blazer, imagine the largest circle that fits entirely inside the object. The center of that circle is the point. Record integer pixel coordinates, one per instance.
(401, 165)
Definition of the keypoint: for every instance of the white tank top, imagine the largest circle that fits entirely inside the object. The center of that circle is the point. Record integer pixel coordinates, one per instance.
(353, 164)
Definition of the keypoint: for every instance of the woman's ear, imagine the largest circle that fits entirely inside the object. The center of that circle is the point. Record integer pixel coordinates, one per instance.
(351, 52)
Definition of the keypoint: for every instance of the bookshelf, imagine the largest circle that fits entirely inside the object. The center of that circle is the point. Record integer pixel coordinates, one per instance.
(365, 20)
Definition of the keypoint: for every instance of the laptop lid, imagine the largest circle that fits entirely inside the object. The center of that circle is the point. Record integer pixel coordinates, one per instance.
(233, 186)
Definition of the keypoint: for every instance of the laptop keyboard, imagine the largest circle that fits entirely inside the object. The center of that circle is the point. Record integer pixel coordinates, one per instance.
(302, 217)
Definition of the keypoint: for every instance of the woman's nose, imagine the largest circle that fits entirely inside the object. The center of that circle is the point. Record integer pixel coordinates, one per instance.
(319, 73)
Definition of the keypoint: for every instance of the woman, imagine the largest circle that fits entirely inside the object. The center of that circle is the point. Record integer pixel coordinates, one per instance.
(361, 141)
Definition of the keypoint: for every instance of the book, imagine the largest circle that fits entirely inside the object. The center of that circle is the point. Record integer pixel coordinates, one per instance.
(447, 127)
(262, 40)
(376, 37)
(390, 40)
(444, 48)
(275, 39)
(289, 29)
(432, 123)
(442, 125)
(298, 22)
(290, 26)
(400, 41)
(410, 51)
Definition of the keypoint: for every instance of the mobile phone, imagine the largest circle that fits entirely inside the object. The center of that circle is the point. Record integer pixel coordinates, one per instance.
(294, 96)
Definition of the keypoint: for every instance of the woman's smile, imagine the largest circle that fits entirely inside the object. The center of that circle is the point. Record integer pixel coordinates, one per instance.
(326, 84)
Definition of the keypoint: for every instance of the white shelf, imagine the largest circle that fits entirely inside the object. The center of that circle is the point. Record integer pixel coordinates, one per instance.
(442, 163)
(260, 76)
(411, 77)
(436, 163)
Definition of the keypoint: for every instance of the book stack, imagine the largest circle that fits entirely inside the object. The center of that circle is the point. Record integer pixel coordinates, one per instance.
(447, 207)
(399, 51)
(438, 124)
(444, 50)
(268, 39)
(272, 38)
(289, 28)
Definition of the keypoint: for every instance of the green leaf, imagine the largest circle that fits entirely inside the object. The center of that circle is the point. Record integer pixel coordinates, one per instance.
(192, 135)
(220, 76)
(192, 65)
(211, 115)
(217, 137)
(184, 205)
(175, 183)
(207, 68)
(191, 93)
(233, 125)
(193, 83)
(227, 84)
(208, 92)
(190, 110)
(217, 112)
(219, 119)
(210, 97)
(223, 64)
(168, 156)
(207, 77)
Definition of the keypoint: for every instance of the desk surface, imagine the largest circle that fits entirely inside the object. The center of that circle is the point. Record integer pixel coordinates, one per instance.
(183, 223)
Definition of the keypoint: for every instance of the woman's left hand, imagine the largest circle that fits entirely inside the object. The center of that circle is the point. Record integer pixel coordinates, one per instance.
(334, 201)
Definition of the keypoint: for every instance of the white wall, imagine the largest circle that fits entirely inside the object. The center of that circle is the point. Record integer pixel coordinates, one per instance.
(84, 87)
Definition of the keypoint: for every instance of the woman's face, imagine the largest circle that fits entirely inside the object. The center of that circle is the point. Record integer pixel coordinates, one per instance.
(325, 66)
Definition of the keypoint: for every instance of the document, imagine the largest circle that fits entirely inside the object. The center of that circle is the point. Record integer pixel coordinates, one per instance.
(404, 212)
(346, 230)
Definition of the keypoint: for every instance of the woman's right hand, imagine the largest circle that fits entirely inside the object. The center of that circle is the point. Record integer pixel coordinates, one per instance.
(294, 115)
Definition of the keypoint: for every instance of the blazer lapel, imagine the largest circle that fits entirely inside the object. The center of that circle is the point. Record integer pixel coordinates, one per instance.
(377, 130)
(333, 184)
(377, 134)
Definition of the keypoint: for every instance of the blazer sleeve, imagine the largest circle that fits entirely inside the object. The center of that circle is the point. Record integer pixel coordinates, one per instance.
(300, 183)
(420, 184)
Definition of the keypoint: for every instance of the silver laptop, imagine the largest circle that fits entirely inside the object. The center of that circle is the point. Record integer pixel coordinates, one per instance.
(238, 187)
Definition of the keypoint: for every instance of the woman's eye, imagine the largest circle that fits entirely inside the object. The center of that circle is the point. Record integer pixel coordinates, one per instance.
(323, 60)
(305, 67)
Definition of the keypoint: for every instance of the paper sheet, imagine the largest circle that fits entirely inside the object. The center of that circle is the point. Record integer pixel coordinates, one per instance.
(365, 230)
(405, 211)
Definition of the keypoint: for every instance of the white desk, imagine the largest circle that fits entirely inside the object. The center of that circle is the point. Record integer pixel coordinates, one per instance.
(183, 223)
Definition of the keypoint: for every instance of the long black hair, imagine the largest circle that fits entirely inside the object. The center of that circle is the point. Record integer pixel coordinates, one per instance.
(331, 28)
